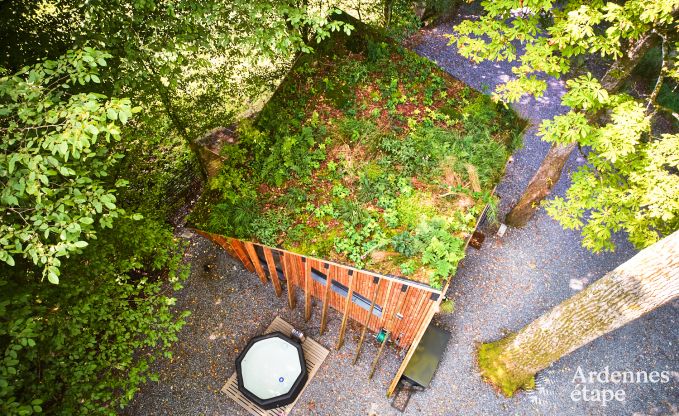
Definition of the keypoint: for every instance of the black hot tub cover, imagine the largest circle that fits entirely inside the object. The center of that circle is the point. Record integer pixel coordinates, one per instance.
(271, 370)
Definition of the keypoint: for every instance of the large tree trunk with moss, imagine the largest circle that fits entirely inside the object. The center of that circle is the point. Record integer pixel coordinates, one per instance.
(540, 185)
(552, 165)
(643, 283)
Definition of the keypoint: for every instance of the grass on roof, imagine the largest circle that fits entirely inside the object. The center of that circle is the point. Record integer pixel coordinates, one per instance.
(369, 156)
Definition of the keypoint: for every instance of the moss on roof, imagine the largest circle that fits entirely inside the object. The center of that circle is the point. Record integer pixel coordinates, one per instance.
(368, 155)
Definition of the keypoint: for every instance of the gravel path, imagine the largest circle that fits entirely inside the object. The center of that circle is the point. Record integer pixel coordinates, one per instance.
(500, 288)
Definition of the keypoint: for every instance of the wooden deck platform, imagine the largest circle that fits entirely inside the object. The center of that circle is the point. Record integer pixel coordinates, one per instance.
(314, 354)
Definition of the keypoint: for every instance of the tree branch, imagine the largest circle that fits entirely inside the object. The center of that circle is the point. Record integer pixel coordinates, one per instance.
(661, 76)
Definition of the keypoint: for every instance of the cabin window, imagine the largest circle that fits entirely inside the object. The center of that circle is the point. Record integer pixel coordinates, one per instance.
(318, 276)
(342, 290)
(265, 266)
(279, 264)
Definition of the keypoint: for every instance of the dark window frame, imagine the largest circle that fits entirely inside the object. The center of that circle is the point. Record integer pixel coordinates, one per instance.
(259, 250)
(340, 289)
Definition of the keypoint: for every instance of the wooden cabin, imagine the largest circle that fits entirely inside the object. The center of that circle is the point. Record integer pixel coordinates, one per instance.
(362, 109)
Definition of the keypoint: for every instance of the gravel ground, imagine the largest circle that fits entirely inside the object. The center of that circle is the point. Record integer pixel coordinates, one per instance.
(500, 288)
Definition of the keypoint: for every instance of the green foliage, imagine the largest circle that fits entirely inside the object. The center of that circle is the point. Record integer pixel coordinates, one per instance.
(435, 242)
(420, 152)
(447, 306)
(71, 349)
(233, 218)
(359, 173)
(479, 114)
(268, 227)
(412, 207)
(404, 21)
(440, 250)
(377, 51)
(495, 370)
(630, 181)
(484, 153)
(631, 189)
(55, 159)
(404, 243)
(359, 240)
(577, 29)
(74, 160)
(358, 129)
(629, 184)
(374, 181)
(295, 154)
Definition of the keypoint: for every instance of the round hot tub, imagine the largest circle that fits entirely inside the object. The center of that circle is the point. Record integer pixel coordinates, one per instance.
(271, 370)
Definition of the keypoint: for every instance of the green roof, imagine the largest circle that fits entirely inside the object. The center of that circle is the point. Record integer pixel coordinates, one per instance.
(367, 155)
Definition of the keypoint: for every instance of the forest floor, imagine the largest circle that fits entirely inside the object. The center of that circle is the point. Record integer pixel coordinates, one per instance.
(506, 284)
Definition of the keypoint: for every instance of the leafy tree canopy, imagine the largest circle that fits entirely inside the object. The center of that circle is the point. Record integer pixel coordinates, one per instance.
(55, 158)
(630, 182)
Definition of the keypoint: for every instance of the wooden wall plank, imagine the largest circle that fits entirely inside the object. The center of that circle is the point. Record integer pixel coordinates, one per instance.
(307, 288)
(272, 270)
(347, 308)
(386, 306)
(330, 274)
(296, 274)
(369, 315)
(396, 279)
(365, 290)
(413, 315)
(289, 273)
(318, 288)
(250, 248)
(401, 294)
(239, 249)
(401, 315)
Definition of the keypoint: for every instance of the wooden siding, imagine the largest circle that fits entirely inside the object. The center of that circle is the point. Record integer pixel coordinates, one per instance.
(327, 284)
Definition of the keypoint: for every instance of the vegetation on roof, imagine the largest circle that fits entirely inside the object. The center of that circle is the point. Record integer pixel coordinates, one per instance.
(369, 155)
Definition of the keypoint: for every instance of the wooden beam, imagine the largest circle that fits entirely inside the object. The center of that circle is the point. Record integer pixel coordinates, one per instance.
(250, 248)
(330, 274)
(273, 273)
(418, 337)
(307, 288)
(289, 272)
(385, 304)
(389, 327)
(347, 305)
(237, 247)
(376, 283)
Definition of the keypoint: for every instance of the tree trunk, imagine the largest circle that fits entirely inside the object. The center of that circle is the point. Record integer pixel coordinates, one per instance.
(388, 10)
(176, 120)
(540, 185)
(643, 283)
(550, 170)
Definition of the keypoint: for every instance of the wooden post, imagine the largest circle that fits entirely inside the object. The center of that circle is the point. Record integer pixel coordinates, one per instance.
(388, 328)
(347, 305)
(385, 304)
(272, 271)
(330, 274)
(376, 283)
(307, 288)
(237, 247)
(250, 248)
(289, 272)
